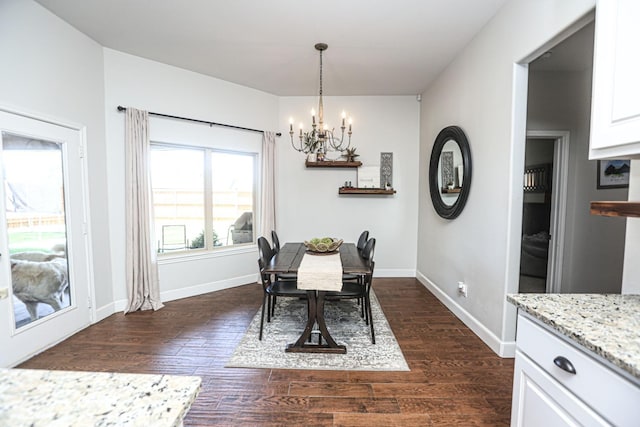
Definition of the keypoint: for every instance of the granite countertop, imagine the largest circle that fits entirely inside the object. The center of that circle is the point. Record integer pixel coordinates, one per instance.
(64, 398)
(607, 324)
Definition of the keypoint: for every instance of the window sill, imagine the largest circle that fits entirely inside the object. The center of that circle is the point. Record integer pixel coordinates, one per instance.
(198, 255)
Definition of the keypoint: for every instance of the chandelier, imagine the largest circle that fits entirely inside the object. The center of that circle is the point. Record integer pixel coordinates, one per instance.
(321, 138)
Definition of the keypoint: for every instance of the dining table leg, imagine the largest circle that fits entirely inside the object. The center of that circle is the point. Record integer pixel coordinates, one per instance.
(315, 301)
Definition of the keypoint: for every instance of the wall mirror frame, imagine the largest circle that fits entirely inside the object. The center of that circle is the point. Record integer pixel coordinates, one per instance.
(449, 198)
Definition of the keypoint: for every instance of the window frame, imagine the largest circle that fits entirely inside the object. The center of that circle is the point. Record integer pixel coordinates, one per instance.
(210, 250)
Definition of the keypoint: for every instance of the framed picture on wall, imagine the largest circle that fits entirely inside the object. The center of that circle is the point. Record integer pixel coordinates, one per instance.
(613, 173)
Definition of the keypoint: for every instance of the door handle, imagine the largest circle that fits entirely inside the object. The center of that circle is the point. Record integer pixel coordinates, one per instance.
(564, 364)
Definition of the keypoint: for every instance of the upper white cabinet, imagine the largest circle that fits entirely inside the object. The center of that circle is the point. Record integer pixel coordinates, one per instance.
(615, 109)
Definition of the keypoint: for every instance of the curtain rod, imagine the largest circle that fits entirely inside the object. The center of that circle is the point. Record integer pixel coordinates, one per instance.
(121, 108)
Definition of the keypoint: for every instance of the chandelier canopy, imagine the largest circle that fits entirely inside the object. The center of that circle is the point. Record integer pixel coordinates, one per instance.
(321, 139)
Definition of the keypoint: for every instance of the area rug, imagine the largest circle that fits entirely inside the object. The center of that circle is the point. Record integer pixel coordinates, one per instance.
(345, 326)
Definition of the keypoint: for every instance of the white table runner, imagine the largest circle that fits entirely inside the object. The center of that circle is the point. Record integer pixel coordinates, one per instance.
(320, 272)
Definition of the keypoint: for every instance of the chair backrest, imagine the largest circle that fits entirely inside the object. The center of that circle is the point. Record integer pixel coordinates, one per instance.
(368, 250)
(367, 254)
(264, 250)
(364, 236)
(276, 241)
(265, 254)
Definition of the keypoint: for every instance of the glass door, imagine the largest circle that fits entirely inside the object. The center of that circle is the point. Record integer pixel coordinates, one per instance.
(44, 250)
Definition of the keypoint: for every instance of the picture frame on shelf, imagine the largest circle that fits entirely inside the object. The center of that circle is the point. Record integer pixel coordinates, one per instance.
(386, 169)
(613, 174)
(369, 177)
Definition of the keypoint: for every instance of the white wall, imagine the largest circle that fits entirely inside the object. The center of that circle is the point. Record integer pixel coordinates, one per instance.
(308, 204)
(476, 93)
(52, 70)
(58, 72)
(139, 83)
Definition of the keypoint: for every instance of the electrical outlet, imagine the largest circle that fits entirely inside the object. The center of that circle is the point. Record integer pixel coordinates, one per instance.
(462, 289)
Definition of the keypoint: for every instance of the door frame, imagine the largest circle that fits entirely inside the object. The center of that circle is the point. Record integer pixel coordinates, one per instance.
(558, 204)
(86, 258)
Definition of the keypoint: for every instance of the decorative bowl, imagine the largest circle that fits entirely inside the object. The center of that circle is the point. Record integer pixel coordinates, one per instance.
(323, 245)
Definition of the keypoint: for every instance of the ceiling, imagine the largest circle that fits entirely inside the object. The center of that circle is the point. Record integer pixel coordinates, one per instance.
(575, 53)
(381, 48)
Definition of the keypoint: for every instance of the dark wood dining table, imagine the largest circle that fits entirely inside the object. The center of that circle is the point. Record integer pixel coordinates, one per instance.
(288, 260)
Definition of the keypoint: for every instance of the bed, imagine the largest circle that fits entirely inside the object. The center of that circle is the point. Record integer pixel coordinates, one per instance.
(534, 254)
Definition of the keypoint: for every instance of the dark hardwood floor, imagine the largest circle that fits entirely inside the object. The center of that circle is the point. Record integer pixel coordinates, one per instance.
(455, 379)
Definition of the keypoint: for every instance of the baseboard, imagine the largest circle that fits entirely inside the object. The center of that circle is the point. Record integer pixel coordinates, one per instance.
(389, 272)
(501, 348)
(104, 312)
(208, 287)
(508, 349)
(192, 291)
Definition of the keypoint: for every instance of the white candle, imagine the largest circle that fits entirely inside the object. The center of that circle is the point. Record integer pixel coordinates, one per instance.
(313, 116)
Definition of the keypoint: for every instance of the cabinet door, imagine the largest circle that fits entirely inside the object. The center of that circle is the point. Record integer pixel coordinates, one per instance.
(615, 109)
(540, 401)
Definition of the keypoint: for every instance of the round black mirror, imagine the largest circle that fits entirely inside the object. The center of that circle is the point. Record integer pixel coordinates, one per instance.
(450, 172)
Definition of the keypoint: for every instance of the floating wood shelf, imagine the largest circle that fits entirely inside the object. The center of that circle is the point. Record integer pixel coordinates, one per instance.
(450, 190)
(624, 209)
(332, 164)
(354, 190)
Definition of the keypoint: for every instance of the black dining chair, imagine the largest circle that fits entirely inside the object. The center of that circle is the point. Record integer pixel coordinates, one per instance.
(275, 240)
(360, 290)
(362, 240)
(273, 288)
(276, 249)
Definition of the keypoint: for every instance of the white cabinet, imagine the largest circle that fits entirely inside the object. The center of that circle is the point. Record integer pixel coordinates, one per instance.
(615, 107)
(539, 400)
(559, 384)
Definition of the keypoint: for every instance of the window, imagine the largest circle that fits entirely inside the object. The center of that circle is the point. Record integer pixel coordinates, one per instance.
(203, 198)
(36, 226)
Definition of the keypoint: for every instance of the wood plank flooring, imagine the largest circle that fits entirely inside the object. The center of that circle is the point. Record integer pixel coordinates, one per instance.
(455, 379)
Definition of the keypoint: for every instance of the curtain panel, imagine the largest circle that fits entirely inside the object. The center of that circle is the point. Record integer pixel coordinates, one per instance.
(268, 193)
(143, 289)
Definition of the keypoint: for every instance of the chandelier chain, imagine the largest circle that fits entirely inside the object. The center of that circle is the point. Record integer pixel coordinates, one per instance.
(320, 73)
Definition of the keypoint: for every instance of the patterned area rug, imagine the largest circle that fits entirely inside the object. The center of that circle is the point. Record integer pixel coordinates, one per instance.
(345, 326)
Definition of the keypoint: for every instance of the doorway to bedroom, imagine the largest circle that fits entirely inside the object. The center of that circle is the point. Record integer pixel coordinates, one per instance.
(543, 211)
(536, 215)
